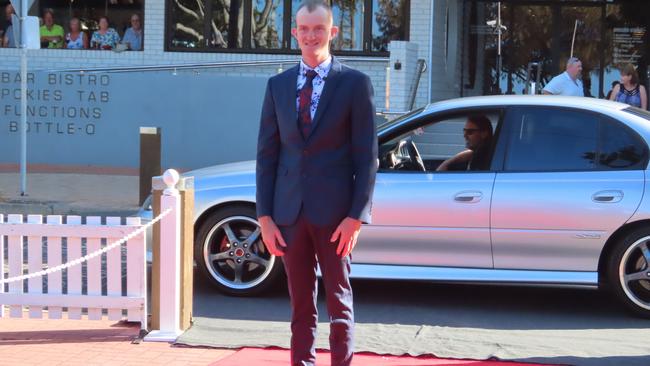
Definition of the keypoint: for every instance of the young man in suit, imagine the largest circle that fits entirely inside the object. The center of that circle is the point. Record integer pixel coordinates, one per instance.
(316, 167)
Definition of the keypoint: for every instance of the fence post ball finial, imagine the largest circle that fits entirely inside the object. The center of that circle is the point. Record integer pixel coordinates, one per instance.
(171, 178)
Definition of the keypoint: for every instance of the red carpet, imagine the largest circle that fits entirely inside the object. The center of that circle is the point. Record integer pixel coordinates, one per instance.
(280, 357)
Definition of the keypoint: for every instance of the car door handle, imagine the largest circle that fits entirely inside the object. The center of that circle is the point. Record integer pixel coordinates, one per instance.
(468, 196)
(607, 196)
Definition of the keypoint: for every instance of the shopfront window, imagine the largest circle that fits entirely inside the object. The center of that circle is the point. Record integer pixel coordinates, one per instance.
(348, 16)
(365, 26)
(389, 22)
(604, 35)
(267, 25)
(627, 40)
(186, 19)
(121, 14)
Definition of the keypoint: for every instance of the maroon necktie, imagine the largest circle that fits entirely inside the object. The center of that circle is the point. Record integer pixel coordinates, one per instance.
(304, 104)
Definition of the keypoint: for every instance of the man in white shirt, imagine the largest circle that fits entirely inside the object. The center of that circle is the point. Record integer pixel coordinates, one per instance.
(567, 83)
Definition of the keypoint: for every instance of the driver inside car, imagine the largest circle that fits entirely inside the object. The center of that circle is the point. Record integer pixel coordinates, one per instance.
(478, 140)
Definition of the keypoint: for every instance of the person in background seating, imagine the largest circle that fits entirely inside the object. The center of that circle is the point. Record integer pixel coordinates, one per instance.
(51, 34)
(76, 39)
(134, 34)
(105, 38)
(478, 140)
(7, 33)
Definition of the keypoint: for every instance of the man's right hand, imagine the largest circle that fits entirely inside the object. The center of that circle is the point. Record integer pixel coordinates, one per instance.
(271, 236)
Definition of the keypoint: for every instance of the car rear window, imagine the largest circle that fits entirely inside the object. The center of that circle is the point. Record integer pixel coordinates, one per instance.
(638, 112)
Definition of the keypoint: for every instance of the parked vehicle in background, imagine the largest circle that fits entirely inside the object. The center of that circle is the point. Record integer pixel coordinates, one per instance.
(561, 202)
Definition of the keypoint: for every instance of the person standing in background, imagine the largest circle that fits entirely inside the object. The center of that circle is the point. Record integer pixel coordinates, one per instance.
(568, 82)
(609, 93)
(630, 91)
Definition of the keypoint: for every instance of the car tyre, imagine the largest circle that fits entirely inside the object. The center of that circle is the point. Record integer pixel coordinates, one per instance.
(229, 252)
(628, 271)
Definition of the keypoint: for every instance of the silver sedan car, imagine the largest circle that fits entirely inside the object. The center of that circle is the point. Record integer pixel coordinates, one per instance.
(559, 199)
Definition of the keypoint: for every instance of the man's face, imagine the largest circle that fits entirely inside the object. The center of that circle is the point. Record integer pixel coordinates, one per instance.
(48, 19)
(9, 9)
(474, 137)
(135, 22)
(574, 69)
(314, 31)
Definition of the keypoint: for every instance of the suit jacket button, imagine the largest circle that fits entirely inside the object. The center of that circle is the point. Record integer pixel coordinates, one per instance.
(304, 175)
(304, 152)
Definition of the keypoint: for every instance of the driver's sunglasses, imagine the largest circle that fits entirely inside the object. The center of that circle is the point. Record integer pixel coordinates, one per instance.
(470, 131)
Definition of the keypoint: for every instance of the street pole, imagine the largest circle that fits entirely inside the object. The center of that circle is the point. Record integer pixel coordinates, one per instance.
(573, 39)
(23, 98)
(499, 47)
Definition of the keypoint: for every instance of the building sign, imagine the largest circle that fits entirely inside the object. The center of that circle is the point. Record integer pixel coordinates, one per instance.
(93, 119)
(63, 104)
(627, 45)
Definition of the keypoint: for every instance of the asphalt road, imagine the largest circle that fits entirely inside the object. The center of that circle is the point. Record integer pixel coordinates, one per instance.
(582, 327)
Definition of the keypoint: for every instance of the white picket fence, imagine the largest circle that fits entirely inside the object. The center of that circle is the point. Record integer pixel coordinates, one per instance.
(95, 235)
(104, 244)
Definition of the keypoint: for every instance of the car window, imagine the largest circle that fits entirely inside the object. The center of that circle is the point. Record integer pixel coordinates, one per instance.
(638, 112)
(437, 142)
(549, 139)
(620, 148)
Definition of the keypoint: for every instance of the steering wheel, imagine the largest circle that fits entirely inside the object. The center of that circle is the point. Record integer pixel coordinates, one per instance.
(414, 160)
(414, 155)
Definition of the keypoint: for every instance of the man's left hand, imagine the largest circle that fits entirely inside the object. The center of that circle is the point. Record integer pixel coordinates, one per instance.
(346, 233)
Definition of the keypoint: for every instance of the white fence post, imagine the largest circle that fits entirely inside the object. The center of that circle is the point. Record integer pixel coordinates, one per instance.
(170, 240)
(15, 260)
(35, 264)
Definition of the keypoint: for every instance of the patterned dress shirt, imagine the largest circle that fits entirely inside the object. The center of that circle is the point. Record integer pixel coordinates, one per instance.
(319, 82)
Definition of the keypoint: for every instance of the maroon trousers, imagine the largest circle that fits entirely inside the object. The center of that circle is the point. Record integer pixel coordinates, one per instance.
(307, 244)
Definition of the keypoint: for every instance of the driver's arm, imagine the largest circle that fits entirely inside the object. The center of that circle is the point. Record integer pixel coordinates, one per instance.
(461, 157)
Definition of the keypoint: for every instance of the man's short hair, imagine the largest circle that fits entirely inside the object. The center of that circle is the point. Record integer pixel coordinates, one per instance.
(571, 61)
(48, 11)
(482, 123)
(311, 5)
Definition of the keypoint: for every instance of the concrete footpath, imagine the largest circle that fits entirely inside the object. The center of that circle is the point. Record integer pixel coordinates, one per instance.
(70, 194)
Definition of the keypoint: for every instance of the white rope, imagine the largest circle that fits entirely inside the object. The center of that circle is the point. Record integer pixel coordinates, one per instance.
(94, 254)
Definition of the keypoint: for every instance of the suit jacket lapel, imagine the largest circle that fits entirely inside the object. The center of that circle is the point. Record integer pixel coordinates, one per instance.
(289, 95)
(331, 83)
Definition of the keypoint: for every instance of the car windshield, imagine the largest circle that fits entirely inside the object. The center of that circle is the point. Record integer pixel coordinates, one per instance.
(384, 125)
(638, 112)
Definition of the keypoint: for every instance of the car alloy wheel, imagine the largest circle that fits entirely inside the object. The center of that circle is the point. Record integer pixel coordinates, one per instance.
(634, 272)
(232, 255)
(629, 271)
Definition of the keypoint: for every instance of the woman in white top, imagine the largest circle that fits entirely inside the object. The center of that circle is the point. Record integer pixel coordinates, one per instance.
(76, 39)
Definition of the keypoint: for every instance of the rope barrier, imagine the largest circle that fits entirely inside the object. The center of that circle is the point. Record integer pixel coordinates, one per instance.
(94, 254)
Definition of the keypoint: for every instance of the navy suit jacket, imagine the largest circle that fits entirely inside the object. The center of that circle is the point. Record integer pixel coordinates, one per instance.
(330, 174)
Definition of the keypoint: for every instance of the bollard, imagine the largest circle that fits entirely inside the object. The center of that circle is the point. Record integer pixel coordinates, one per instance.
(170, 254)
(149, 159)
(186, 188)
